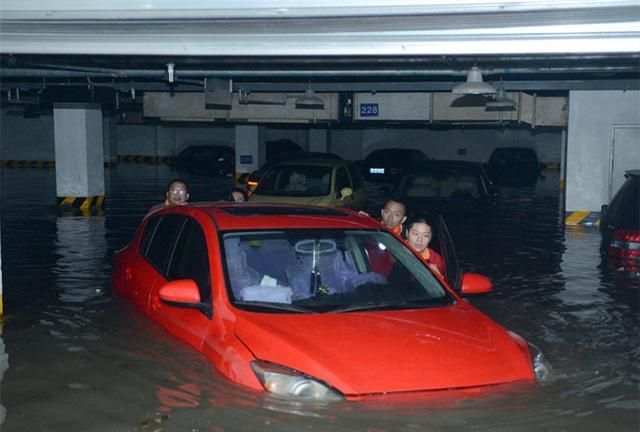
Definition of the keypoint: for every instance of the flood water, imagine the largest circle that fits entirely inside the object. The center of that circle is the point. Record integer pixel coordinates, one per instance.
(82, 359)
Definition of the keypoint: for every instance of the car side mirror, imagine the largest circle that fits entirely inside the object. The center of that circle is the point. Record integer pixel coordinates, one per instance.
(345, 192)
(475, 283)
(184, 293)
(604, 208)
(180, 292)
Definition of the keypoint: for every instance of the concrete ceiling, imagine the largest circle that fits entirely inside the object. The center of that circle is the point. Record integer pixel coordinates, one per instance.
(60, 47)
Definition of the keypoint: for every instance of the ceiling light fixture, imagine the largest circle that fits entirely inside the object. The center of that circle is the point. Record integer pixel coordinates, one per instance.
(474, 85)
(309, 100)
(501, 102)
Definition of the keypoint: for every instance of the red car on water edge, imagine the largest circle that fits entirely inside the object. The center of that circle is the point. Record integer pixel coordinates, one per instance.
(315, 303)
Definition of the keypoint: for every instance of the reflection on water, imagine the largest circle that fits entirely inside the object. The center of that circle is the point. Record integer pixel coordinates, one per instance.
(82, 359)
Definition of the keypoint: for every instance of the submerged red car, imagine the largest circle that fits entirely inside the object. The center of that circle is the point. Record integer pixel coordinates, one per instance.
(314, 303)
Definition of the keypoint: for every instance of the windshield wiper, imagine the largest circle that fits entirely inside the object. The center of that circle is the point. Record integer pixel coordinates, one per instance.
(407, 304)
(274, 306)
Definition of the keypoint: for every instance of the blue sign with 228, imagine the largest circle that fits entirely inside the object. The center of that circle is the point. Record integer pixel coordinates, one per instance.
(369, 110)
(246, 159)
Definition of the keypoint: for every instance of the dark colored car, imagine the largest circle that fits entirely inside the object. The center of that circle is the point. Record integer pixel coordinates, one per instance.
(620, 225)
(447, 187)
(514, 165)
(214, 160)
(388, 165)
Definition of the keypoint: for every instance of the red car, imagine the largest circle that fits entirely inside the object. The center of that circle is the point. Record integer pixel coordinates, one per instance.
(314, 303)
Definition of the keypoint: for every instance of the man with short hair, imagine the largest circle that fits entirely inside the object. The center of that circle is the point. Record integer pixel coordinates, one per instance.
(177, 194)
(394, 214)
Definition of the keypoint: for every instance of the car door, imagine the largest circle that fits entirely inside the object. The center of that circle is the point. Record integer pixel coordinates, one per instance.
(189, 259)
(443, 243)
(145, 271)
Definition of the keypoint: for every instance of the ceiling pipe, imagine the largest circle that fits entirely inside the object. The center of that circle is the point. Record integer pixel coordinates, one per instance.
(56, 72)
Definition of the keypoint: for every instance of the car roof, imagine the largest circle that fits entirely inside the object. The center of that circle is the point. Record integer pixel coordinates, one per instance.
(444, 165)
(633, 172)
(314, 162)
(514, 149)
(231, 216)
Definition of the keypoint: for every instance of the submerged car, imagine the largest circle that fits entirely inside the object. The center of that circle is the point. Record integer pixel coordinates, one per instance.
(318, 182)
(620, 225)
(388, 165)
(514, 165)
(452, 188)
(211, 160)
(314, 303)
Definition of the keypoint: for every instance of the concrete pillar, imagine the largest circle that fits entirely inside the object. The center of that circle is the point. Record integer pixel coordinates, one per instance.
(109, 135)
(318, 140)
(250, 149)
(79, 155)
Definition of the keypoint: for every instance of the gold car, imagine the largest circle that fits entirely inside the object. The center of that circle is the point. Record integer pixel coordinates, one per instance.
(319, 182)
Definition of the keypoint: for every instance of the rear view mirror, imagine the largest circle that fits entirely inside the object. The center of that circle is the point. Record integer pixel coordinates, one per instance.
(475, 283)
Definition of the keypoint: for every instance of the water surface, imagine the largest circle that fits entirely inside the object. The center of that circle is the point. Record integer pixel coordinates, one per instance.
(81, 359)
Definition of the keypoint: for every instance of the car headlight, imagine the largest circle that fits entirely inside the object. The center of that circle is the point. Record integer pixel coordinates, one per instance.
(541, 366)
(286, 382)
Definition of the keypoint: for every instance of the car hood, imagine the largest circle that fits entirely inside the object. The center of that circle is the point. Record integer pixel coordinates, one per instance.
(362, 353)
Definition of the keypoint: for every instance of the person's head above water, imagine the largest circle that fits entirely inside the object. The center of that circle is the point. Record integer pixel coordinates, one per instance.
(177, 193)
(394, 214)
(419, 233)
(237, 195)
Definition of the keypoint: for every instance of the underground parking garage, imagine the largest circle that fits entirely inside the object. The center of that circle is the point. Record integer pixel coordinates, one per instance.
(95, 101)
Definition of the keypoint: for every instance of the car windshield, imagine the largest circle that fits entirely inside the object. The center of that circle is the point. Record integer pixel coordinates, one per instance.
(454, 185)
(296, 180)
(326, 271)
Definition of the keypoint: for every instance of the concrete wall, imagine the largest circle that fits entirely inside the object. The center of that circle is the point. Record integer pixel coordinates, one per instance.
(26, 139)
(592, 114)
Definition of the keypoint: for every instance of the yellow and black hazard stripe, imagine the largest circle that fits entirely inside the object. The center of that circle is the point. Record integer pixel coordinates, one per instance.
(81, 203)
(582, 218)
(27, 164)
(140, 159)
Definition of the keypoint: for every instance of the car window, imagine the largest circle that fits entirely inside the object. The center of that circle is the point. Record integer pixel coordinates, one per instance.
(342, 179)
(296, 180)
(163, 241)
(327, 270)
(147, 235)
(356, 177)
(624, 209)
(418, 156)
(190, 259)
(379, 156)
